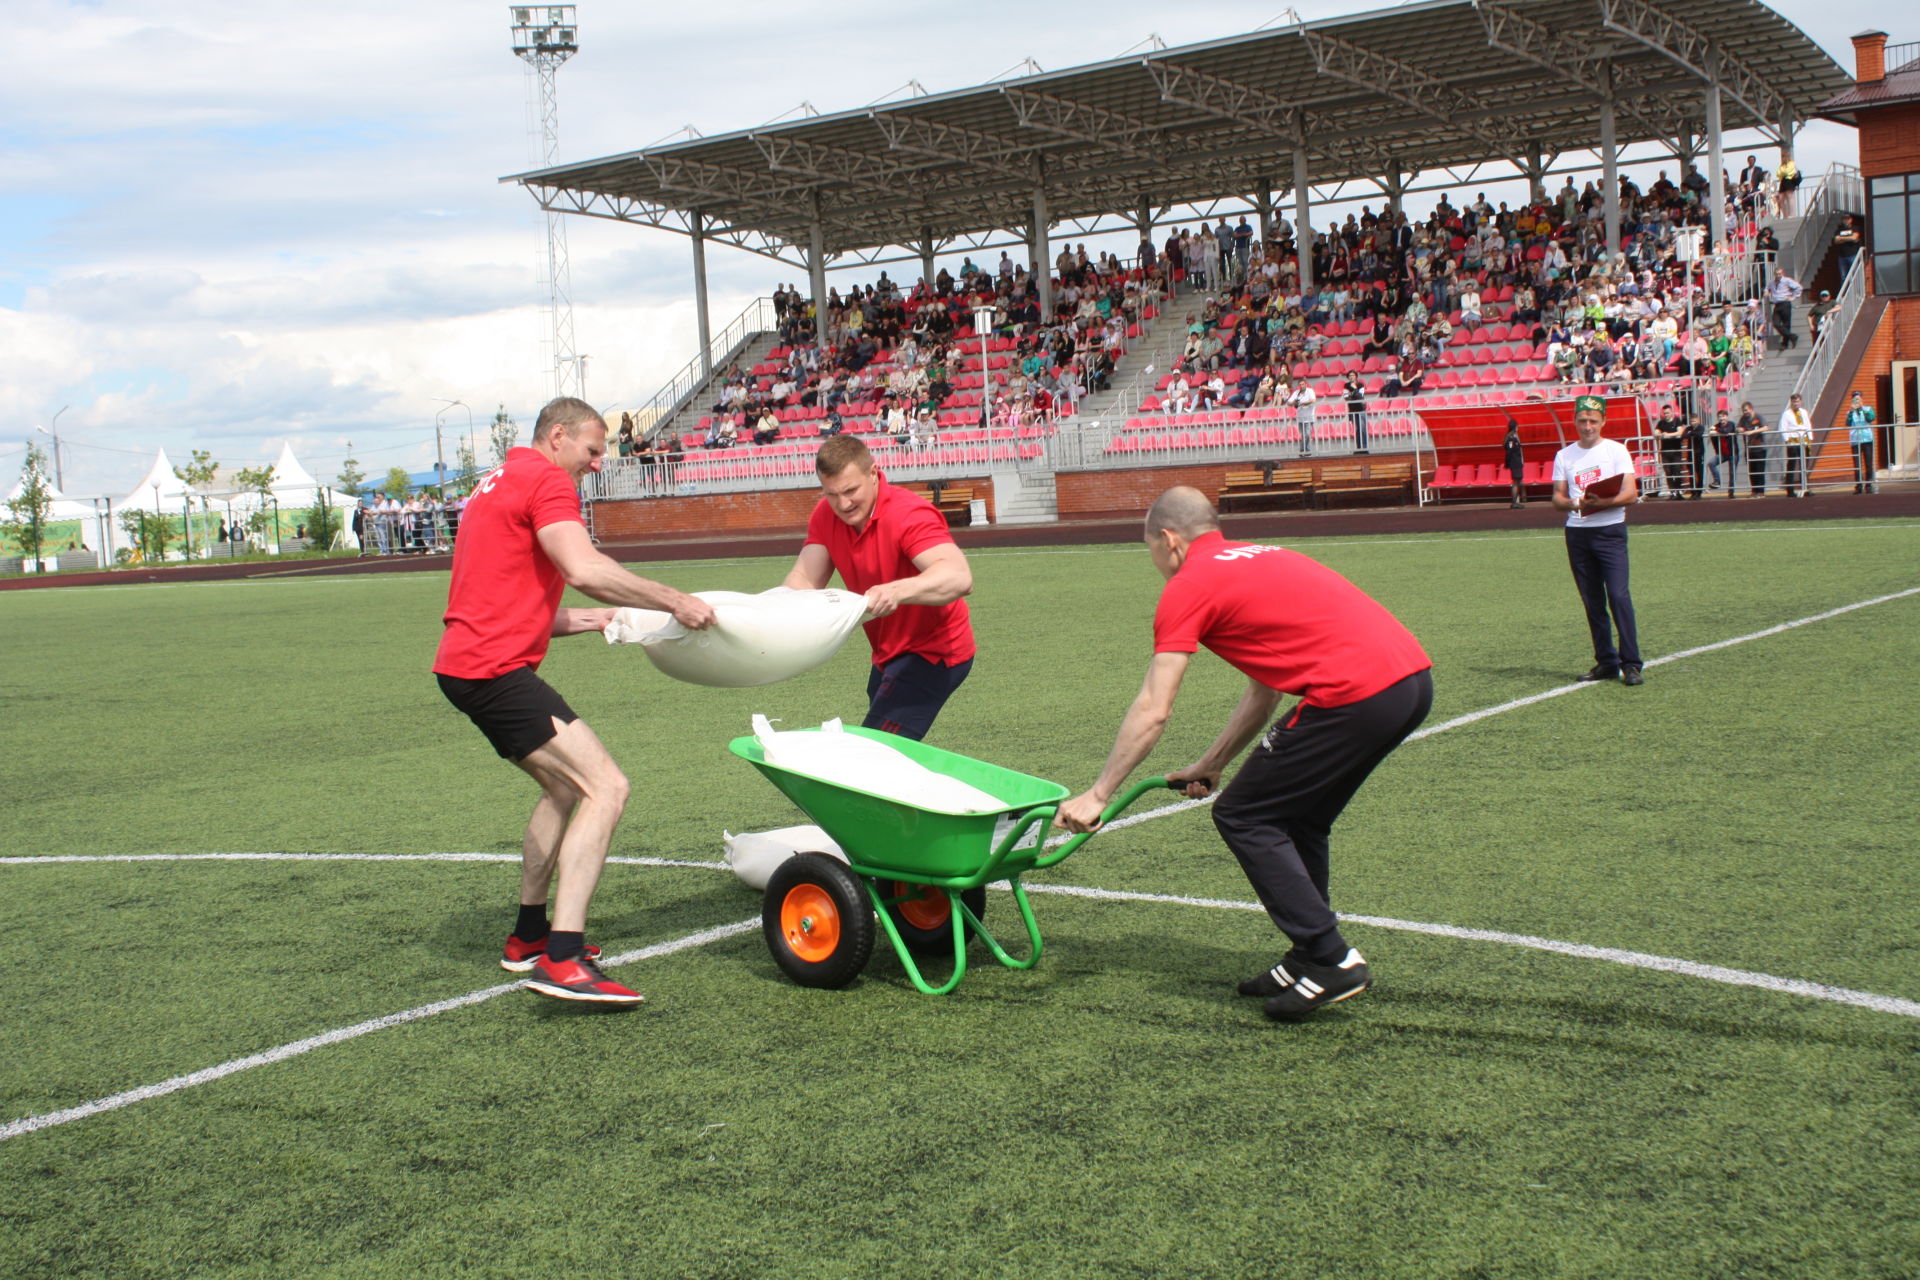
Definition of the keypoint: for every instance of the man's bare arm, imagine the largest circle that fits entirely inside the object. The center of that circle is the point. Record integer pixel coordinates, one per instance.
(593, 573)
(943, 578)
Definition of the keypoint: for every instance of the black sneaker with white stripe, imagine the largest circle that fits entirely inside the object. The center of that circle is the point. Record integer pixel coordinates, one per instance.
(1274, 980)
(1305, 986)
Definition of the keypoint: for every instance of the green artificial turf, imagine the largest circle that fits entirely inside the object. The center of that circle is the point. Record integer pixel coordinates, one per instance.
(1486, 1110)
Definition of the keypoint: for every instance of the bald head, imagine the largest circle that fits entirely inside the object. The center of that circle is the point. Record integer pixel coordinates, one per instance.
(1184, 510)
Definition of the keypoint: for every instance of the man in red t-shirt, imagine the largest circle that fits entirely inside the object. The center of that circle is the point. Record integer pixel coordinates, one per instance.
(521, 544)
(1291, 625)
(891, 545)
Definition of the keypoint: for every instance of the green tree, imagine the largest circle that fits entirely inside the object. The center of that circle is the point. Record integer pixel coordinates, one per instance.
(323, 521)
(506, 434)
(199, 473)
(398, 484)
(469, 469)
(154, 533)
(259, 482)
(352, 478)
(27, 514)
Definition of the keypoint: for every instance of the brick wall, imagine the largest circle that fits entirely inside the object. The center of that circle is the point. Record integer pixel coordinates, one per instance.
(1109, 495)
(765, 511)
(1890, 140)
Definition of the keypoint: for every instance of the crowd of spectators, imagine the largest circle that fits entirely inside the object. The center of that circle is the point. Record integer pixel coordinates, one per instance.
(420, 524)
(898, 361)
(1658, 308)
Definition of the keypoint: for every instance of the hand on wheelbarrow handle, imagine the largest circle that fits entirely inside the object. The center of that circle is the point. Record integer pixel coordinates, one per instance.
(1112, 811)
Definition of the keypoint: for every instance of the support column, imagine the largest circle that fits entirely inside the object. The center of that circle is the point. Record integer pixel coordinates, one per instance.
(1302, 219)
(1395, 185)
(1042, 250)
(1536, 175)
(926, 256)
(1144, 220)
(1716, 174)
(699, 228)
(1263, 208)
(817, 275)
(1610, 170)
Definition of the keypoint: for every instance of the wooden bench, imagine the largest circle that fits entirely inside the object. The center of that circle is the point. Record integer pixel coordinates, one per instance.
(955, 502)
(1269, 488)
(1373, 479)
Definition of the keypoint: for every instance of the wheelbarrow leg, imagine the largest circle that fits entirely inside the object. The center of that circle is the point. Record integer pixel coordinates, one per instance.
(1034, 946)
(906, 956)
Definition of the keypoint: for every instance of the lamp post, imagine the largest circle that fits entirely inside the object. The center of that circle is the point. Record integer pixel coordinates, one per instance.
(579, 364)
(436, 430)
(983, 325)
(53, 432)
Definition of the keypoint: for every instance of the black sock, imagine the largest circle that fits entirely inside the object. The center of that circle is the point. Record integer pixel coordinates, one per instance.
(532, 925)
(1328, 949)
(568, 946)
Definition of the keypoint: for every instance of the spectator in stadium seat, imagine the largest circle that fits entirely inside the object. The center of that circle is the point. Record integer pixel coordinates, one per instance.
(1290, 626)
(1470, 307)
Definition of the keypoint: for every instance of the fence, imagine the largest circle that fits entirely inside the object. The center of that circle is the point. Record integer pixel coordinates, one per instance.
(670, 399)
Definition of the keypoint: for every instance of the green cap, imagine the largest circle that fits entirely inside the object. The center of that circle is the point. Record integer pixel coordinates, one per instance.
(1597, 403)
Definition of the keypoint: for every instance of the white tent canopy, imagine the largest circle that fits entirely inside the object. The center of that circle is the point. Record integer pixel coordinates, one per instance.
(63, 508)
(160, 492)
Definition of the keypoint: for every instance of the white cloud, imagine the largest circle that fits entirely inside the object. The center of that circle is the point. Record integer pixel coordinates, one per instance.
(243, 223)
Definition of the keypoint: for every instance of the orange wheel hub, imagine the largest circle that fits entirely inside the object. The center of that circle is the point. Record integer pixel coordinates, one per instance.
(810, 922)
(930, 910)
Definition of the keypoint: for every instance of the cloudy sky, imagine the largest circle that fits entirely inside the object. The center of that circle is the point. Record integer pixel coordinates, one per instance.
(228, 224)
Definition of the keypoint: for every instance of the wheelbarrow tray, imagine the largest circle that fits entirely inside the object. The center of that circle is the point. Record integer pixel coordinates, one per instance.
(892, 838)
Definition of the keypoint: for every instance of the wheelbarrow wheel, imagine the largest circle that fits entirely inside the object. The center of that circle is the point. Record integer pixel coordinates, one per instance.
(818, 921)
(925, 920)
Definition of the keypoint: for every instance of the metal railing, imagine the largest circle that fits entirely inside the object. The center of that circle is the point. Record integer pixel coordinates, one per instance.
(758, 318)
(1901, 56)
(1840, 191)
(1833, 335)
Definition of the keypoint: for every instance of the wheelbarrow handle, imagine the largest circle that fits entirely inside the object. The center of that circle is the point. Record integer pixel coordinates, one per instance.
(1113, 810)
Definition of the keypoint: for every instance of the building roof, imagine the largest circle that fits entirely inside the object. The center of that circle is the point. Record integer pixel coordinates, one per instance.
(1443, 85)
(1900, 84)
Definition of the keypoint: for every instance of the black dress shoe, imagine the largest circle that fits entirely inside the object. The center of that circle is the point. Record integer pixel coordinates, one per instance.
(1600, 673)
(1630, 674)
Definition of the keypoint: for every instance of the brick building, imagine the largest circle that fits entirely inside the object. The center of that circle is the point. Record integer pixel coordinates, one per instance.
(1884, 105)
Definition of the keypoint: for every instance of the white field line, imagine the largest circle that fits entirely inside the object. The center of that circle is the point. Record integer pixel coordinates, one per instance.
(15, 1128)
(1635, 959)
(1715, 973)
(1486, 712)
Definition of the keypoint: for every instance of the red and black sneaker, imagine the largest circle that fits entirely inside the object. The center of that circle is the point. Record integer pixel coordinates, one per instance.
(518, 956)
(579, 979)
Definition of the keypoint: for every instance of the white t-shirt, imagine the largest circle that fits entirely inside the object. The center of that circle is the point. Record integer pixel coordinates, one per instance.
(1580, 467)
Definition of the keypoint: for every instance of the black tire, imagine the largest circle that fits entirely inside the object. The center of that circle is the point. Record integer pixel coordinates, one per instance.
(924, 939)
(818, 921)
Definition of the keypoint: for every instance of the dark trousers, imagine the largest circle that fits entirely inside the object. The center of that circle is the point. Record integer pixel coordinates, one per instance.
(1359, 419)
(1277, 813)
(1757, 467)
(1862, 465)
(1697, 452)
(1673, 462)
(907, 693)
(1783, 324)
(1796, 468)
(1598, 555)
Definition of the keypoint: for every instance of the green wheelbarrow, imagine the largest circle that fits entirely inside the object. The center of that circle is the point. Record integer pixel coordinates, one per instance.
(921, 873)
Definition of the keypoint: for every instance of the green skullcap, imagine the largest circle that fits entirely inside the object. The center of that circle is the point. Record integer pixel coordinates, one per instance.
(1597, 403)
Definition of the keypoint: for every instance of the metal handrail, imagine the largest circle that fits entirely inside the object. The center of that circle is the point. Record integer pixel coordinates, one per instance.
(1901, 56)
(758, 318)
(1840, 191)
(1833, 335)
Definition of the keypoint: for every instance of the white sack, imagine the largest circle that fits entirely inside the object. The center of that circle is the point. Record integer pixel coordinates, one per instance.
(850, 760)
(754, 639)
(754, 855)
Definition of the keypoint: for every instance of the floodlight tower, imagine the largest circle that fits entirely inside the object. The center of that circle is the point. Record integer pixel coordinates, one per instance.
(544, 36)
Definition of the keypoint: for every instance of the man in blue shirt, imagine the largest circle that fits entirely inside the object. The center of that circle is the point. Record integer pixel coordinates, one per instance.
(1860, 420)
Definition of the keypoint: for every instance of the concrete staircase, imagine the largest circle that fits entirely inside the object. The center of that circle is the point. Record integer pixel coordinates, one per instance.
(1159, 346)
(1024, 497)
(701, 404)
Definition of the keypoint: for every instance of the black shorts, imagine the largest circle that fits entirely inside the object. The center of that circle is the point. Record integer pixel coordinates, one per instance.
(516, 710)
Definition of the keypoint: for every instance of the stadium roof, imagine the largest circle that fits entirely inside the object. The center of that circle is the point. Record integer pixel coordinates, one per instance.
(1448, 85)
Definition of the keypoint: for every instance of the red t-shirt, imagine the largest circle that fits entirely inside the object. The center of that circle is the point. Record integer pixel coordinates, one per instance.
(903, 525)
(505, 592)
(1285, 620)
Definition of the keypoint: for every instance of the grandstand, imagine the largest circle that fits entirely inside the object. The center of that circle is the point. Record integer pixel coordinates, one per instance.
(1420, 98)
